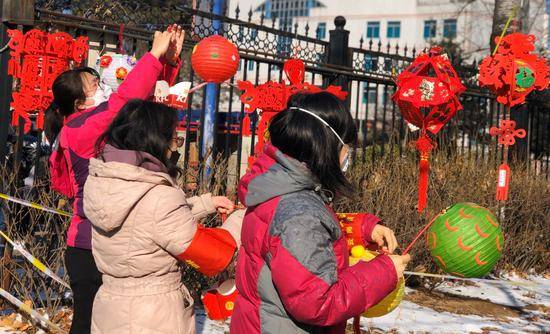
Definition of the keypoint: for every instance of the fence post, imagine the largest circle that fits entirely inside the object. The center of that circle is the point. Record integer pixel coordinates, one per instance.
(339, 53)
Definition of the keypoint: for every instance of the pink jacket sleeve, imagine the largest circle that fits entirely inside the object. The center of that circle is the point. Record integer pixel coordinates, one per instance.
(304, 270)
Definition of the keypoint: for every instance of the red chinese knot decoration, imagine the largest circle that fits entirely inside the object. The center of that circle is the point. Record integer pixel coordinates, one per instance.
(215, 59)
(507, 133)
(513, 71)
(272, 97)
(37, 58)
(427, 96)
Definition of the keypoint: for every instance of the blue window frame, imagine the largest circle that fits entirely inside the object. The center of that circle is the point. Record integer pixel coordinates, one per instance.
(394, 29)
(449, 28)
(373, 29)
(371, 63)
(321, 30)
(250, 65)
(430, 28)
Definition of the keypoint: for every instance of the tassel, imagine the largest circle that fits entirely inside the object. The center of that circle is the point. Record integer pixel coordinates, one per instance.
(246, 126)
(424, 145)
(503, 182)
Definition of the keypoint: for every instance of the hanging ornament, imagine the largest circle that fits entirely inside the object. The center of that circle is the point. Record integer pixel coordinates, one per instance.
(465, 240)
(271, 97)
(427, 96)
(37, 58)
(513, 71)
(215, 59)
(391, 301)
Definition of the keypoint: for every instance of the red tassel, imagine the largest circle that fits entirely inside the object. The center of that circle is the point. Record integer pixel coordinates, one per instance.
(503, 182)
(246, 126)
(424, 145)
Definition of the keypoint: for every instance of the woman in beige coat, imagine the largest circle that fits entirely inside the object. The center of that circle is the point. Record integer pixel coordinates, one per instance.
(143, 225)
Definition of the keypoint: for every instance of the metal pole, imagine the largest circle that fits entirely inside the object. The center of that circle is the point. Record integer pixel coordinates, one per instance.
(209, 126)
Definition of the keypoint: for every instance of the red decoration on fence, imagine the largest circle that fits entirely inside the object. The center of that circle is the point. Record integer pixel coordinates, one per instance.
(507, 133)
(513, 71)
(272, 97)
(215, 59)
(427, 96)
(37, 58)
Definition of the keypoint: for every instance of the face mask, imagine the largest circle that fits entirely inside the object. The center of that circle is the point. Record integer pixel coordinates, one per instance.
(346, 163)
(101, 95)
(175, 157)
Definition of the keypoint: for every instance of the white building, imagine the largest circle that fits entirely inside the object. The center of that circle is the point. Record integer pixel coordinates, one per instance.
(414, 23)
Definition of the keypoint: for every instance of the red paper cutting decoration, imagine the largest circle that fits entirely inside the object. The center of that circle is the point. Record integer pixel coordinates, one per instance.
(215, 59)
(514, 71)
(271, 97)
(37, 58)
(427, 96)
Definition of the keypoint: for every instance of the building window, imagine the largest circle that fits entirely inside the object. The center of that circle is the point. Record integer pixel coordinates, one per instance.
(449, 28)
(373, 29)
(250, 65)
(241, 33)
(430, 28)
(394, 29)
(321, 30)
(253, 34)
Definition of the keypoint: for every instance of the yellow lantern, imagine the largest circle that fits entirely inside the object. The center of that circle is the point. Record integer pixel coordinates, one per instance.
(391, 301)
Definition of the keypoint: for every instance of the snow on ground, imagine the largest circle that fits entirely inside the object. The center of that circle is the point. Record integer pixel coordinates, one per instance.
(410, 317)
(534, 290)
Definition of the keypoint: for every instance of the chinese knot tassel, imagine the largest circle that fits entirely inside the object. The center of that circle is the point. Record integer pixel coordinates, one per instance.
(424, 145)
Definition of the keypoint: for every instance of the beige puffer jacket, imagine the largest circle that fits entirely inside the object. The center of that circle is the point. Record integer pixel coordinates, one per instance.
(141, 221)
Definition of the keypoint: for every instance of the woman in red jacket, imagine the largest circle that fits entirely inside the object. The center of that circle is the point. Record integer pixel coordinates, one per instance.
(87, 113)
(292, 271)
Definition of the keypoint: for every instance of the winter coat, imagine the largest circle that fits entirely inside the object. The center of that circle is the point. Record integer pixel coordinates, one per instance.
(142, 225)
(76, 142)
(292, 270)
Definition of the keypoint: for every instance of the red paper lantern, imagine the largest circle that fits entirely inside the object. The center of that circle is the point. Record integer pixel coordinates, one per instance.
(215, 59)
(427, 96)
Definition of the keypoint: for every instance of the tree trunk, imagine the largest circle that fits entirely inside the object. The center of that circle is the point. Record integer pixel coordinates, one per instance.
(503, 10)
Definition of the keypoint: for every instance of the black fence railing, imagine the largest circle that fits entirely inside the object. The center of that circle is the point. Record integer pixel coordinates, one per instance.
(367, 72)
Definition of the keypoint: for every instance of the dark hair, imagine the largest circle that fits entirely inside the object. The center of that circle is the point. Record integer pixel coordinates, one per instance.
(143, 126)
(53, 122)
(307, 139)
(68, 89)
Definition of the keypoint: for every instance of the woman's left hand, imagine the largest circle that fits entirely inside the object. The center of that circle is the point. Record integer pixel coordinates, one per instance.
(176, 43)
(385, 238)
(223, 204)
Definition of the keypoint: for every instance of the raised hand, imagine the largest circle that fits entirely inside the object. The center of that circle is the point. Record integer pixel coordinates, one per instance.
(176, 43)
(161, 43)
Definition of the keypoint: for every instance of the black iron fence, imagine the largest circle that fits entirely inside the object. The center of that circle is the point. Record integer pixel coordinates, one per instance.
(367, 73)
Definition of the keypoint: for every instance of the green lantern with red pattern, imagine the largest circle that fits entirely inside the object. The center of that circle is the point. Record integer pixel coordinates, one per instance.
(465, 240)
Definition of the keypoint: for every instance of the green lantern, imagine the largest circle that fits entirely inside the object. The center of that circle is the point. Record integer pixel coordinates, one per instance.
(465, 240)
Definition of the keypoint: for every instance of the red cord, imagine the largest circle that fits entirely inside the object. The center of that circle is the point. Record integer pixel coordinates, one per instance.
(418, 236)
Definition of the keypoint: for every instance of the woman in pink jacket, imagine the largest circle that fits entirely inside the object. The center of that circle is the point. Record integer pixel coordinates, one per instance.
(292, 271)
(87, 113)
(143, 224)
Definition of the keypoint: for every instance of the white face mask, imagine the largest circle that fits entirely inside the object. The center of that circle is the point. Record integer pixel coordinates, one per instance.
(102, 94)
(346, 163)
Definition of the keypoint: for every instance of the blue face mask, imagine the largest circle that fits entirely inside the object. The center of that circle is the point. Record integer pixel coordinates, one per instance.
(346, 163)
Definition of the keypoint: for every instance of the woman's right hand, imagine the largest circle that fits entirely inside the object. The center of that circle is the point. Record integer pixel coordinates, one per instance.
(400, 263)
(161, 42)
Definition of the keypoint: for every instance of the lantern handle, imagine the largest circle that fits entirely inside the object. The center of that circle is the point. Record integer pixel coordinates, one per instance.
(418, 236)
(512, 15)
